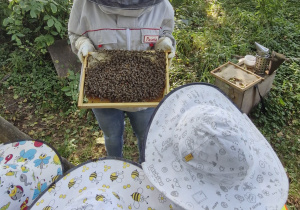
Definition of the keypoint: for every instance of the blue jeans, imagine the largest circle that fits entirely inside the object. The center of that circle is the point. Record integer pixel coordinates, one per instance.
(111, 122)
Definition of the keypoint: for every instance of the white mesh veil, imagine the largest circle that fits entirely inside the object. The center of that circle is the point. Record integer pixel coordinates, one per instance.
(127, 4)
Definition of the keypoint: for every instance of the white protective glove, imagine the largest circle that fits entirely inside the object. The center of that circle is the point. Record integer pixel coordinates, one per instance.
(84, 46)
(165, 44)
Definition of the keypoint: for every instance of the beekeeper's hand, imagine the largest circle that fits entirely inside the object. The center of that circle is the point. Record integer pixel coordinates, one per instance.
(84, 46)
(165, 44)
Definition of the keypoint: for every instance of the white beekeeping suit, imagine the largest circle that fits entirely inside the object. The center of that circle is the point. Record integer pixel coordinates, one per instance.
(120, 24)
(96, 25)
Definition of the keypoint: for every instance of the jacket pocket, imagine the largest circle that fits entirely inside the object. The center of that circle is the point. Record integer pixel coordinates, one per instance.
(104, 39)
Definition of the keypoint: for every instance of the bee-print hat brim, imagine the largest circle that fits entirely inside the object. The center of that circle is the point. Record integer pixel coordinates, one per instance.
(27, 168)
(106, 183)
(203, 153)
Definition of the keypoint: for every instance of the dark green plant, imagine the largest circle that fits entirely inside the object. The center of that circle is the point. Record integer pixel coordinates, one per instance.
(71, 90)
(37, 24)
(4, 12)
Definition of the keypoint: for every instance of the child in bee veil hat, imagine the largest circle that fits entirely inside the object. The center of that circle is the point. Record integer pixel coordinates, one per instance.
(203, 153)
(27, 168)
(106, 183)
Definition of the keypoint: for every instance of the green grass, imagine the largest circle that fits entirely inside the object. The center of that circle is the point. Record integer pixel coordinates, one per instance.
(209, 33)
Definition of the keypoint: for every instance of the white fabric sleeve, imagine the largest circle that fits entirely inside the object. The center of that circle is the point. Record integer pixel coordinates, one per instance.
(73, 38)
(167, 26)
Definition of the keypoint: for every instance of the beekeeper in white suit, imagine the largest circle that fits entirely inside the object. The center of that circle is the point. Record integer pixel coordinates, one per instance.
(128, 25)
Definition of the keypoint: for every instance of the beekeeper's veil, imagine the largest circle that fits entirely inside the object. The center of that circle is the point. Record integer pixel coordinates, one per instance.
(127, 4)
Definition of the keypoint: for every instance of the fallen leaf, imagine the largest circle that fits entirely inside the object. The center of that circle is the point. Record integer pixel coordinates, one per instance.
(100, 140)
(31, 133)
(280, 134)
(96, 133)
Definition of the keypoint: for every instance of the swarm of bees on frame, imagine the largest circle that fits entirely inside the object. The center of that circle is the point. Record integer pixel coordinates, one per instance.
(127, 76)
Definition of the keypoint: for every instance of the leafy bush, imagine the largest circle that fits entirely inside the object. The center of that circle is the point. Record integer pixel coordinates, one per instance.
(3, 10)
(36, 24)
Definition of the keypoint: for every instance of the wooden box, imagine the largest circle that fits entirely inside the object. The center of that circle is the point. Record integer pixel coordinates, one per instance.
(87, 102)
(245, 96)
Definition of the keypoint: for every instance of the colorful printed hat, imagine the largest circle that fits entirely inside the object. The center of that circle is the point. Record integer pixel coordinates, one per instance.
(203, 153)
(27, 168)
(103, 184)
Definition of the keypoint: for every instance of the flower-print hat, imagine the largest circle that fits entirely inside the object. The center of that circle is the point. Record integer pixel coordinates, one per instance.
(106, 183)
(203, 153)
(27, 168)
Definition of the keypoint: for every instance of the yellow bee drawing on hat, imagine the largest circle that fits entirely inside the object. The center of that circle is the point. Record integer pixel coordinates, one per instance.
(54, 178)
(137, 176)
(102, 198)
(95, 177)
(50, 206)
(116, 195)
(74, 183)
(117, 176)
(54, 188)
(138, 198)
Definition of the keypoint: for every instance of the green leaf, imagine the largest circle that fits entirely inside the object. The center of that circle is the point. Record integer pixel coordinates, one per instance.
(33, 14)
(50, 22)
(53, 7)
(18, 22)
(281, 102)
(65, 89)
(47, 17)
(54, 33)
(58, 26)
(20, 35)
(49, 39)
(6, 21)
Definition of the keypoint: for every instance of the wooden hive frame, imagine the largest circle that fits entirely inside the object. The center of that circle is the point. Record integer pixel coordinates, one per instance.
(258, 80)
(92, 103)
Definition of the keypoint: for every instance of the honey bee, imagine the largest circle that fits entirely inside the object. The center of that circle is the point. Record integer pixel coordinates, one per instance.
(133, 76)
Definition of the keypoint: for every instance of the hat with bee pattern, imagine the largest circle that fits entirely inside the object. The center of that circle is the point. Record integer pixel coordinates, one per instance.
(106, 183)
(27, 168)
(203, 153)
